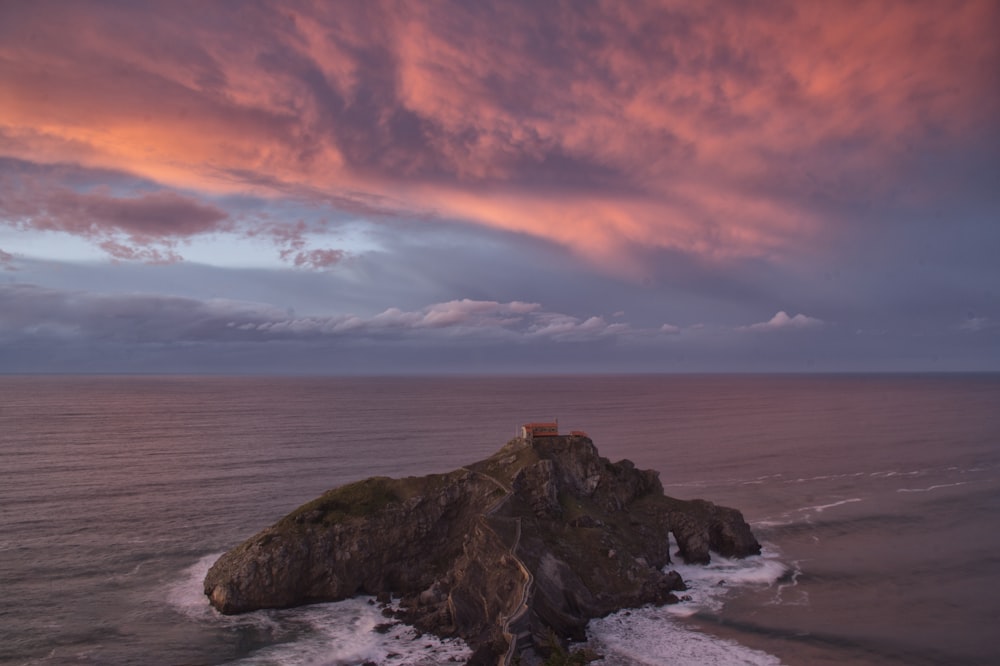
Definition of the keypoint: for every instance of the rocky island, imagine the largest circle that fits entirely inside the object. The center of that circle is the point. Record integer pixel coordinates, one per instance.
(508, 553)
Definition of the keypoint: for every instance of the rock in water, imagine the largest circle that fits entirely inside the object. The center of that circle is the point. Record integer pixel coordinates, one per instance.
(505, 553)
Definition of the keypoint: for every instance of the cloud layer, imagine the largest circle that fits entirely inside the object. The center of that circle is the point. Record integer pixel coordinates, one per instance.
(31, 311)
(712, 128)
(782, 320)
(144, 226)
(502, 180)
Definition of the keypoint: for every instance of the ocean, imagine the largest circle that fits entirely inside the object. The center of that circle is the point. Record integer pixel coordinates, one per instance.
(877, 500)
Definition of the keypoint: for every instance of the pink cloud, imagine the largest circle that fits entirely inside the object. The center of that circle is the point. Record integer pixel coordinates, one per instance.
(292, 240)
(37, 313)
(463, 317)
(565, 328)
(781, 320)
(143, 227)
(316, 259)
(513, 320)
(145, 254)
(600, 127)
(153, 215)
(468, 312)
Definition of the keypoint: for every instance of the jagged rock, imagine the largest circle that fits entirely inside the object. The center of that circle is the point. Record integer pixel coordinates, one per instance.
(533, 541)
(536, 484)
(702, 526)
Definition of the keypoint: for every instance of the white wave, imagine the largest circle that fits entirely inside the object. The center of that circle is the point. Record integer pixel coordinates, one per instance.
(709, 584)
(651, 637)
(187, 594)
(644, 636)
(787, 591)
(689, 484)
(331, 634)
(820, 508)
(345, 632)
(930, 488)
(760, 480)
(773, 522)
(826, 477)
(891, 473)
(801, 515)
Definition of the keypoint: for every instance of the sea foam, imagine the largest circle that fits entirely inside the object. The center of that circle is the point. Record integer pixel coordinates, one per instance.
(934, 487)
(652, 637)
(644, 636)
(346, 632)
(354, 631)
(709, 584)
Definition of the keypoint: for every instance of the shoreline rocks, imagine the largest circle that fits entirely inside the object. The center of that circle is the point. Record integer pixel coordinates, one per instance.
(505, 553)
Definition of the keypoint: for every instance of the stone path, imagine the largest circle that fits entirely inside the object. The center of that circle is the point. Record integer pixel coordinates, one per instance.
(522, 608)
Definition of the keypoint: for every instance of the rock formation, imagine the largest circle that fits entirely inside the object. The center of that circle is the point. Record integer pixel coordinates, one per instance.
(506, 553)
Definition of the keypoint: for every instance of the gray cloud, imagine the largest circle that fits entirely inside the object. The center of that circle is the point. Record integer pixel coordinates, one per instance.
(72, 331)
(31, 311)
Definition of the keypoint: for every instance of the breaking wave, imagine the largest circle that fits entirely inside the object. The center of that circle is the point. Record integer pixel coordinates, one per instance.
(645, 635)
(353, 631)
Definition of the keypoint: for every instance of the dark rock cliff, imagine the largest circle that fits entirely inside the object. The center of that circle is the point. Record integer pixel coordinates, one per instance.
(531, 542)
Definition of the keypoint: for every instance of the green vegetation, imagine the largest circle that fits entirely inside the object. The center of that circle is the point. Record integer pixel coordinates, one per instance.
(505, 463)
(573, 506)
(560, 656)
(353, 500)
(564, 658)
(365, 498)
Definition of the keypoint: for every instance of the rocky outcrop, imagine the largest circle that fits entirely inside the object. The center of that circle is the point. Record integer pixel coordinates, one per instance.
(379, 536)
(533, 541)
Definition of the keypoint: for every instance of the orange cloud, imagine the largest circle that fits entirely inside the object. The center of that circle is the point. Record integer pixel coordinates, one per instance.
(603, 127)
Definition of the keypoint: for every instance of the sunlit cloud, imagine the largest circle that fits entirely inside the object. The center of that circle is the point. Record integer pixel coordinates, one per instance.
(134, 220)
(710, 128)
(781, 320)
(32, 311)
(503, 175)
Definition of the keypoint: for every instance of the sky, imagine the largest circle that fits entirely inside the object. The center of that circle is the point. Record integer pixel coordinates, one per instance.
(510, 187)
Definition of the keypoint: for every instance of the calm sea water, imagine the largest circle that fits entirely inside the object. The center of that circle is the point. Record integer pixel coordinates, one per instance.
(877, 499)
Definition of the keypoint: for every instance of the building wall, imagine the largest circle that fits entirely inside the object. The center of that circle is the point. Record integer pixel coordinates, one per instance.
(529, 430)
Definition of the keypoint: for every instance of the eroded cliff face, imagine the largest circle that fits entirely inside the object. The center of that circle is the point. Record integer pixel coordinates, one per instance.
(533, 541)
(379, 536)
